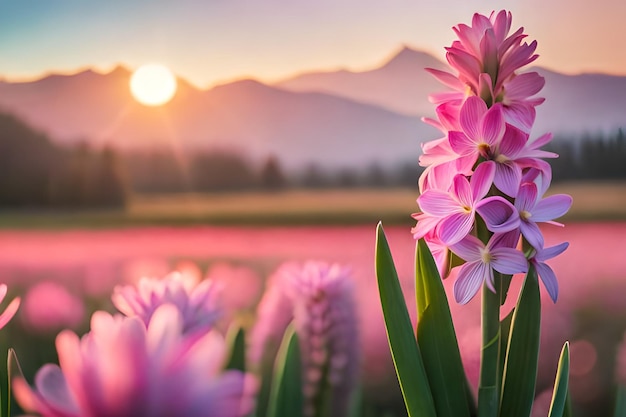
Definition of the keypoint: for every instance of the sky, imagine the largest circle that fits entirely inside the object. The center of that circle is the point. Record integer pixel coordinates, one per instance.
(209, 42)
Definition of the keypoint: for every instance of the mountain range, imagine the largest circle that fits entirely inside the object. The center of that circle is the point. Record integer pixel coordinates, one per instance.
(334, 119)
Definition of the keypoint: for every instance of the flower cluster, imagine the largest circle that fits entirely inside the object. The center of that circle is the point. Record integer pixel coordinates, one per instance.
(318, 298)
(197, 302)
(487, 169)
(162, 359)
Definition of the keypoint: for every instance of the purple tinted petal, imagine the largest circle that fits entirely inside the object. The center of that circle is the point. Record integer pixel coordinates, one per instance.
(468, 249)
(549, 279)
(504, 240)
(437, 203)
(462, 191)
(455, 227)
(508, 261)
(493, 125)
(499, 215)
(482, 179)
(512, 142)
(551, 252)
(522, 116)
(472, 112)
(526, 197)
(540, 141)
(552, 207)
(461, 144)
(53, 388)
(532, 234)
(508, 178)
(524, 85)
(470, 278)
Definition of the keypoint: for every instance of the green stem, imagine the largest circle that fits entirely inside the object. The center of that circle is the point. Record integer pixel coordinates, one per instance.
(488, 396)
(488, 393)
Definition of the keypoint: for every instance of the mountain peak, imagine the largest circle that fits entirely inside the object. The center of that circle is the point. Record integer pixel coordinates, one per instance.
(408, 57)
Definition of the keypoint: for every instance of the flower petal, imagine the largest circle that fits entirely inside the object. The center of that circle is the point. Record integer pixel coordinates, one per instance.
(508, 178)
(470, 278)
(482, 179)
(455, 227)
(468, 249)
(461, 144)
(493, 125)
(462, 191)
(472, 113)
(551, 252)
(437, 203)
(549, 279)
(500, 216)
(53, 388)
(532, 234)
(508, 261)
(9, 312)
(526, 197)
(552, 207)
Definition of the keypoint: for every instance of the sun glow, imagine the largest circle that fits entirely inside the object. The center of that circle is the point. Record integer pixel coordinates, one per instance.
(153, 85)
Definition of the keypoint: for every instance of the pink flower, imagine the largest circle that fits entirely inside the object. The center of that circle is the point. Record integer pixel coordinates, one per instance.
(451, 214)
(122, 368)
(481, 260)
(319, 298)
(533, 210)
(538, 259)
(196, 302)
(11, 309)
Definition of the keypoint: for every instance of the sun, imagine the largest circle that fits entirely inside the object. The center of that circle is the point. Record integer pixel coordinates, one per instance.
(153, 85)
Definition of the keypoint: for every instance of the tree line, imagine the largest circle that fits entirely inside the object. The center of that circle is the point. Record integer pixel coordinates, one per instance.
(36, 172)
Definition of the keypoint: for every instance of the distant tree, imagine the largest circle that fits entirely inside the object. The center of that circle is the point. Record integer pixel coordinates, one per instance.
(347, 178)
(314, 177)
(28, 160)
(221, 170)
(108, 185)
(375, 176)
(271, 175)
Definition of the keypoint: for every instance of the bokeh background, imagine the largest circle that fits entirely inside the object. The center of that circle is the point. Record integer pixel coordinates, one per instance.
(295, 128)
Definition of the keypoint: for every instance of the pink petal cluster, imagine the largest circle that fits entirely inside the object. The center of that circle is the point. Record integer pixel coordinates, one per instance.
(123, 368)
(487, 165)
(318, 297)
(11, 309)
(196, 301)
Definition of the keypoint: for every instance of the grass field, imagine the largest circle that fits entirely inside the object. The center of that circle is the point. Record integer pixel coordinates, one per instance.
(592, 201)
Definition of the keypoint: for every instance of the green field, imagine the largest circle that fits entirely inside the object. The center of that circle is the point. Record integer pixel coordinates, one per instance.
(592, 201)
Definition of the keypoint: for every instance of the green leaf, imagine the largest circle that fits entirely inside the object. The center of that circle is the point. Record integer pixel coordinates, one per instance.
(518, 385)
(620, 401)
(404, 350)
(436, 338)
(236, 339)
(286, 398)
(559, 395)
(14, 370)
(505, 330)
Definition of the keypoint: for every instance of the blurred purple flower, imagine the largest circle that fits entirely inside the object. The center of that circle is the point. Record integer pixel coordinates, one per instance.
(197, 302)
(319, 298)
(122, 368)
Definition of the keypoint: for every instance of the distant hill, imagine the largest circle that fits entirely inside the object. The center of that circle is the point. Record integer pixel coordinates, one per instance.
(401, 84)
(334, 119)
(299, 128)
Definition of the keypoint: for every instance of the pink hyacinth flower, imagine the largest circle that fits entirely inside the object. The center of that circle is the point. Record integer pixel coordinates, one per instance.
(538, 260)
(483, 129)
(452, 213)
(533, 210)
(481, 260)
(11, 309)
(123, 369)
(196, 302)
(320, 299)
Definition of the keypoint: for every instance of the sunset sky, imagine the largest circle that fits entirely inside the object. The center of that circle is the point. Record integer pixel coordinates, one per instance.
(213, 41)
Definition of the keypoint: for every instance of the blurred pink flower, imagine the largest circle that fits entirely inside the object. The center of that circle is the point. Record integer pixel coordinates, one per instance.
(197, 302)
(319, 298)
(122, 368)
(11, 309)
(240, 287)
(49, 306)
